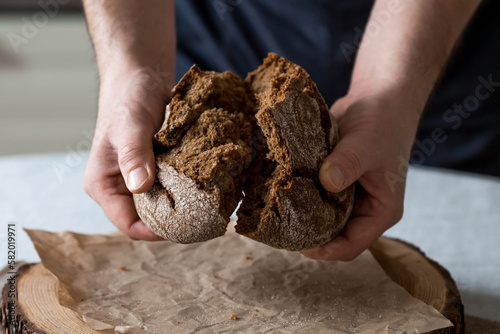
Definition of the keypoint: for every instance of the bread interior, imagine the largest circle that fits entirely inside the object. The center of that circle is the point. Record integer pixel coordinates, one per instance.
(207, 135)
(212, 136)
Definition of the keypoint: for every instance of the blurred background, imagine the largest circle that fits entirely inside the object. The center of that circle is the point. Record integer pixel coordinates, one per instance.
(48, 77)
(48, 103)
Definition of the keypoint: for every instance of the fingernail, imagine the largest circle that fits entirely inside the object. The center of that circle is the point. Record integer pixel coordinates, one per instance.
(333, 174)
(137, 178)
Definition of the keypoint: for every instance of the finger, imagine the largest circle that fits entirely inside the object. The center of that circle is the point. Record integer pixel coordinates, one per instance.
(104, 183)
(136, 160)
(120, 210)
(369, 220)
(347, 162)
(343, 166)
(359, 234)
(339, 108)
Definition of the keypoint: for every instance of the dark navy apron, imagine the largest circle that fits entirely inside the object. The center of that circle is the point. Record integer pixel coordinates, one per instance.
(460, 128)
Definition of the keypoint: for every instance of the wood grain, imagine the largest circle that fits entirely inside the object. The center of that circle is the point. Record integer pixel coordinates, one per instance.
(422, 278)
(39, 311)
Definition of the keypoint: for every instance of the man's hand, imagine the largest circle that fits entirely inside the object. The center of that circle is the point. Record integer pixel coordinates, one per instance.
(371, 151)
(122, 160)
(135, 48)
(400, 58)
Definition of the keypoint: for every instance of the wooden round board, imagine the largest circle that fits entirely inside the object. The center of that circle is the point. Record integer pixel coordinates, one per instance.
(423, 278)
(39, 312)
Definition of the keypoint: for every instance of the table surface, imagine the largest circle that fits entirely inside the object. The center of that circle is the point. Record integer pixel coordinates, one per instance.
(453, 217)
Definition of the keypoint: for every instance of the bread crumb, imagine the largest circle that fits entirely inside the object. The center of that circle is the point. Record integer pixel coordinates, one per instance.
(177, 323)
(249, 256)
(122, 268)
(233, 317)
(137, 303)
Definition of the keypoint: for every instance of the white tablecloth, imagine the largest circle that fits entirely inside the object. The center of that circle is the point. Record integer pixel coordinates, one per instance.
(453, 217)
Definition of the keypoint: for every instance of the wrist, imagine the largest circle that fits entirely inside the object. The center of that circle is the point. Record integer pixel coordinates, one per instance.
(385, 117)
(403, 101)
(131, 94)
(128, 76)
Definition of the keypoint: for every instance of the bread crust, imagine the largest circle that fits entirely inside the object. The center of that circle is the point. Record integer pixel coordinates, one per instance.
(304, 219)
(284, 205)
(200, 151)
(177, 210)
(298, 213)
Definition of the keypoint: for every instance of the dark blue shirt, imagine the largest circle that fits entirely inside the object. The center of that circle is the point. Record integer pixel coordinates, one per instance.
(461, 125)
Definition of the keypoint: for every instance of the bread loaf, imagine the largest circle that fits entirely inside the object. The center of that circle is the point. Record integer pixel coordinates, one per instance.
(261, 141)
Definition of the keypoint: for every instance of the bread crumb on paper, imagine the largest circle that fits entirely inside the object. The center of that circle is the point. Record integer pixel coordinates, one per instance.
(233, 317)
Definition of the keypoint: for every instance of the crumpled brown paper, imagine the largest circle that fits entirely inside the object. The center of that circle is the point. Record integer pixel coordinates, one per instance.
(124, 286)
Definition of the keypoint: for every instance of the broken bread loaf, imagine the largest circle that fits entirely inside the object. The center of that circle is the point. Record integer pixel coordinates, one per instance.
(260, 141)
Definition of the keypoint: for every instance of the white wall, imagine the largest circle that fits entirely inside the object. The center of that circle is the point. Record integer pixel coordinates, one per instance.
(48, 89)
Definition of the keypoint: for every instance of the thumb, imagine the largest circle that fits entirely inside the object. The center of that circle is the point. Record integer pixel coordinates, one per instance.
(344, 164)
(341, 168)
(137, 162)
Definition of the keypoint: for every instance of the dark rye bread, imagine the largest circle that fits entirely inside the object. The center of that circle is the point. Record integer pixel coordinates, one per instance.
(264, 137)
(201, 151)
(290, 209)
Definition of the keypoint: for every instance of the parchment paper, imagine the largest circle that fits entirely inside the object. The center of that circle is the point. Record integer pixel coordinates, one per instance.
(124, 286)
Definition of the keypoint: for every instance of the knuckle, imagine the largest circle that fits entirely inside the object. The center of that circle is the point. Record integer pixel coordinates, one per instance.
(93, 188)
(348, 257)
(130, 234)
(397, 214)
(392, 211)
(352, 162)
(325, 254)
(94, 185)
(128, 155)
(87, 187)
(89, 183)
(338, 108)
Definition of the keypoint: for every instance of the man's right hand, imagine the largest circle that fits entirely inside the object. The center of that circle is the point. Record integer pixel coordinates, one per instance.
(135, 47)
(122, 160)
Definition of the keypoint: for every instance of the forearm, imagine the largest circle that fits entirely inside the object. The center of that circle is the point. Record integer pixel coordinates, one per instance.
(406, 45)
(131, 35)
(402, 54)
